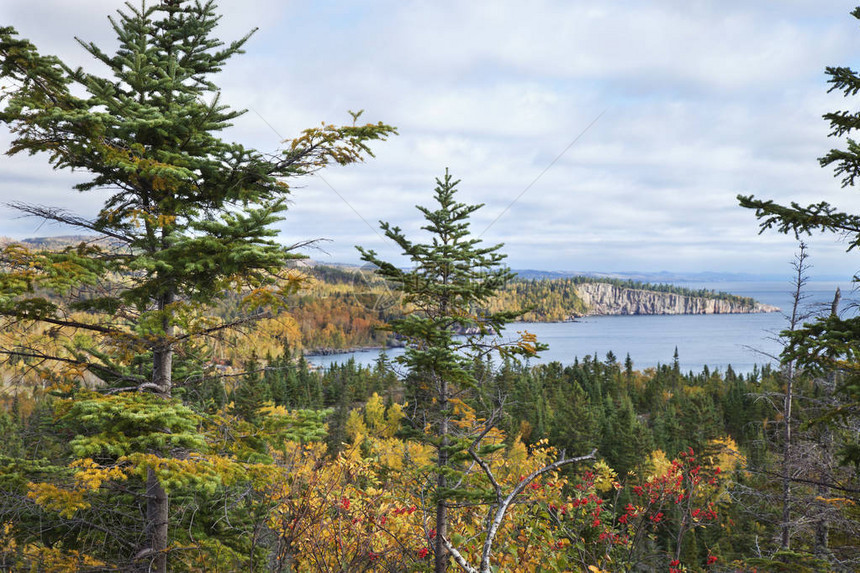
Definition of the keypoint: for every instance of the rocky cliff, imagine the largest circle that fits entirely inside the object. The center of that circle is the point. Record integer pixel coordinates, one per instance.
(604, 299)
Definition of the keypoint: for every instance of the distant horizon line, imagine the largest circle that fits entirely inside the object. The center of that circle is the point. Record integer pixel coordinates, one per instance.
(661, 275)
(649, 276)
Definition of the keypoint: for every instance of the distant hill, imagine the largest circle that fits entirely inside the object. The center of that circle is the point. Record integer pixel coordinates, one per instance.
(658, 277)
(58, 242)
(650, 277)
(558, 299)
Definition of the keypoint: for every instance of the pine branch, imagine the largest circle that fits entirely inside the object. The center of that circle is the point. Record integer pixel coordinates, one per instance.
(62, 216)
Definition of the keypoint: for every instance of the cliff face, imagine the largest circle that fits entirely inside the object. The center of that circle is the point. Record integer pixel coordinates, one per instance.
(603, 299)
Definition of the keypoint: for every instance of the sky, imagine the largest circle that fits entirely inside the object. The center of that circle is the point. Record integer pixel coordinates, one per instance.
(601, 136)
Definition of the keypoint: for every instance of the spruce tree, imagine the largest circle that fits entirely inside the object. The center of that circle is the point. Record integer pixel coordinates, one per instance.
(188, 217)
(831, 345)
(828, 349)
(447, 329)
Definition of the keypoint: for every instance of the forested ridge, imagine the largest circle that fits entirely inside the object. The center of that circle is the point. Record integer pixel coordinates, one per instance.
(347, 306)
(668, 288)
(342, 307)
(158, 414)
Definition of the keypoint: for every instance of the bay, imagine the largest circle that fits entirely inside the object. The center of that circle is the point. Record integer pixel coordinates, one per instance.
(717, 341)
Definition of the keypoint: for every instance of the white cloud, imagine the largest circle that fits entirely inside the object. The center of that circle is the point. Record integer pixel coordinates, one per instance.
(703, 100)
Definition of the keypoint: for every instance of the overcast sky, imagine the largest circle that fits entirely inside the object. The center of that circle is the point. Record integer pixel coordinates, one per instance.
(697, 101)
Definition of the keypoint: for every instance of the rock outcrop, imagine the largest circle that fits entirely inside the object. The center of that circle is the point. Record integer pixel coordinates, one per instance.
(607, 299)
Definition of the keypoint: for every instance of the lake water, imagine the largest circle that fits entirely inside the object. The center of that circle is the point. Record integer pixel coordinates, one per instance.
(717, 340)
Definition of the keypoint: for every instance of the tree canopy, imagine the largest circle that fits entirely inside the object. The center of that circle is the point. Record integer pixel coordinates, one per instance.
(189, 215)
(449, 287)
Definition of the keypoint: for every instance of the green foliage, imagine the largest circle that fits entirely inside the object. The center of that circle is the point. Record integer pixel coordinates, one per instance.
(122, 424)
(449, 286)
(788, 562)
(300, 426)
(592, 402)
(188, 216)
(446, 294)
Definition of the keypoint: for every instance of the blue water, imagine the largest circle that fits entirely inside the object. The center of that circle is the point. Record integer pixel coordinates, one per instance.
(739, 340)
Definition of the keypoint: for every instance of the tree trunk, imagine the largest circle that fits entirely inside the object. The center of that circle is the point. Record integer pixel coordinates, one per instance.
(786, 463)
(162, 356)
(157, 505)
(157, 502)
(441, 553)
(821, 548)
(797, 316)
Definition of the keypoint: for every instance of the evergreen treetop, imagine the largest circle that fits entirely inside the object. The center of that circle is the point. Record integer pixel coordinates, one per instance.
(448, 289)
(189, 214)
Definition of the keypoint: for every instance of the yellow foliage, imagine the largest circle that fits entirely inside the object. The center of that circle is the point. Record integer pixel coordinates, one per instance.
(356, 429)
(517, 456)
(266, 338)
(48, 559)
(270, 409)
(527, 342)
(728, 457)
(393, 418)
(605, 478)
(836, 501)
(375, 421)
(396, 454)
(63, 501)
(694, 391)
(464, 415)
(204, 472)
(91, 476)
(374, 413)
(371, 507)
(658, 464)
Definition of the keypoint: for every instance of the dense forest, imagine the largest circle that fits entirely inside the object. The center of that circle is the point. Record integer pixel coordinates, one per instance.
(312, 470)
(158, 414)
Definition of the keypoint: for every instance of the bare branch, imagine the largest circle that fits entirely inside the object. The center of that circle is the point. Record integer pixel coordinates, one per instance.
(830, 485)
(74, 324)
(138, 388)
(104, 370)
(503, 507)
(235, 323)
(482, 462)
(64, 217)
(458, 557)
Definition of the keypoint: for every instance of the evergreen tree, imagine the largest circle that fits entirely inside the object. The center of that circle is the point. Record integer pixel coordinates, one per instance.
(624, 438)
(828, 348)
(832, 343)
(449, 287)
(189, 215)
(252, 391)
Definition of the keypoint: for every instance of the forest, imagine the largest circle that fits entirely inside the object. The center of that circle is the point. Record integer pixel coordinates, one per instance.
(158, 414)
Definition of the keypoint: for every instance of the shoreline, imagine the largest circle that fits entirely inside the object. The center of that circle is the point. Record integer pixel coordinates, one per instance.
(351, 349)
(576, 319)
